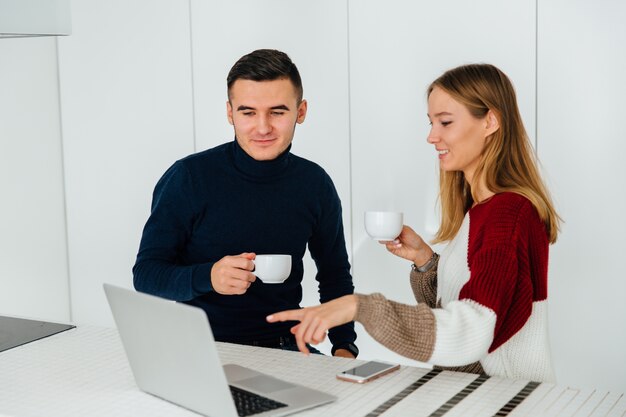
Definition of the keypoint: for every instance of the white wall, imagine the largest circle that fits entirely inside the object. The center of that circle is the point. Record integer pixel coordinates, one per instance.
(582, 141)
(33, 253)
(127, 115)
(142, 84)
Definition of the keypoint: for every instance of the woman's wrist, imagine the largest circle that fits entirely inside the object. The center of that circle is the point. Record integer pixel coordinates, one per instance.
(430, 264)
(423, 257)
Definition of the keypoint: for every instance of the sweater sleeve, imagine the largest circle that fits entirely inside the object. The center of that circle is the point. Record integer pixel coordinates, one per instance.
(455, 336)
(157, 269)
(424, 285)
(328, 250)
(407, 330)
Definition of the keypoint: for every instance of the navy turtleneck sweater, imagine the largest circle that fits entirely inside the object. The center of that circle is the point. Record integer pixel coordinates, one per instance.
(222, 202)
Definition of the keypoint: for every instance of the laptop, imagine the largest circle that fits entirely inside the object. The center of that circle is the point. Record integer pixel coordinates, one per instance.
(173, 355)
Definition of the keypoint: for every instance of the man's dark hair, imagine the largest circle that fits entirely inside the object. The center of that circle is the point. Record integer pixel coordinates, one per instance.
(265, 65)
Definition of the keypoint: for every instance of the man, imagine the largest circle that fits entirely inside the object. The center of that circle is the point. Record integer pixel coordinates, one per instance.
(213, 211)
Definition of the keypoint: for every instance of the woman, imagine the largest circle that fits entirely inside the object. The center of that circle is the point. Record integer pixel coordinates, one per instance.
(482, 303)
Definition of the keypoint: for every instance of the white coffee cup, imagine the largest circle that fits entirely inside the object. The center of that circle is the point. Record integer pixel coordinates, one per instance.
(272, 269)
(383, 225)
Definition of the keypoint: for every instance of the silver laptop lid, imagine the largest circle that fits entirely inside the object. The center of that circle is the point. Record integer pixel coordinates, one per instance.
(171, 351)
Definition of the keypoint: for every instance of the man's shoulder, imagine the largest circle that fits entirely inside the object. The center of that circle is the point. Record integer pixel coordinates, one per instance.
(308, 166)
(215, 152)
(205, 158)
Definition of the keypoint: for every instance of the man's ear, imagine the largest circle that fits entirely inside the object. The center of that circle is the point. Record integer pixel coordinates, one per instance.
(492, 123)
(229, 112)
(302, 108)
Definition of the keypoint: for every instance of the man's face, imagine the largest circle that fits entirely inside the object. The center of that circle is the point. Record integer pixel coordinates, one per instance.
(264, 115)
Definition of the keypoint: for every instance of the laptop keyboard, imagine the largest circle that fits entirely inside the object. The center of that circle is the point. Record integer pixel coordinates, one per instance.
(249, 404)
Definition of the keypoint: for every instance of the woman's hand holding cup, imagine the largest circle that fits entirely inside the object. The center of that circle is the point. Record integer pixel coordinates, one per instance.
(410, 246)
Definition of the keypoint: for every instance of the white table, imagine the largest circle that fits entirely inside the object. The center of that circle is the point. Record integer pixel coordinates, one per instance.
(83, 372)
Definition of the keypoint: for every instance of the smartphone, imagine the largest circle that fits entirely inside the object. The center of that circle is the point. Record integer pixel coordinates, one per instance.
(367, 371)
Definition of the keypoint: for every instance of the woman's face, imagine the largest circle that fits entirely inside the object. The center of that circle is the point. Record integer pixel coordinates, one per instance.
(459, 137)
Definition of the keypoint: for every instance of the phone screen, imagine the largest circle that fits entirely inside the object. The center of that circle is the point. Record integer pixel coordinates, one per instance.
(367, 369)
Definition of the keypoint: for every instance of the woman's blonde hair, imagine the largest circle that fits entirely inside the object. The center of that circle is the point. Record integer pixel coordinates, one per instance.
(507, 163)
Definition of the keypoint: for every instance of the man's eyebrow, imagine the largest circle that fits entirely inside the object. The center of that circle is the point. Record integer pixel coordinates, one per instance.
(279, 107)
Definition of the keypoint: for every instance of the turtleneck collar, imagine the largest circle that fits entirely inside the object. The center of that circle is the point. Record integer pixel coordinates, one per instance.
(250, 166)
